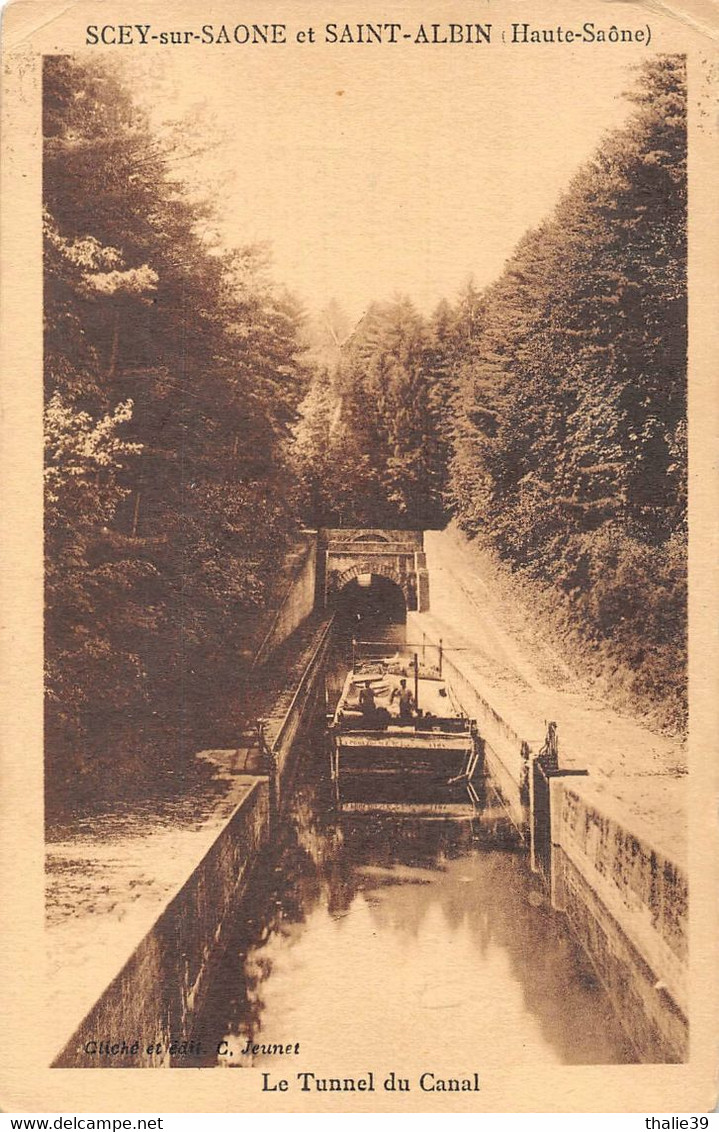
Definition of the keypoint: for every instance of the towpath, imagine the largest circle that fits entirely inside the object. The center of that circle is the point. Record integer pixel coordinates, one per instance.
(640, 772)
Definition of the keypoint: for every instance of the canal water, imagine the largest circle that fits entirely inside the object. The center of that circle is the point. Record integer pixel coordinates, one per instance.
(383, 943)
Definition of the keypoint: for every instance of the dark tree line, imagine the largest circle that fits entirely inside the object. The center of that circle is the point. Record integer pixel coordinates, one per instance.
(569, 453)
(371, 447)
(172, 374)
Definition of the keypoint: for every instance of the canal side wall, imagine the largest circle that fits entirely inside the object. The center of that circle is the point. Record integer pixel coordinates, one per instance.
(624, 896)
(297, 602)
(161, 986)
(506, 752)
(627, 903)
(285, 727)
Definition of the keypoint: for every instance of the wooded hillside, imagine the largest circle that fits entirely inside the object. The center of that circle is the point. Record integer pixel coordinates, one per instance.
(172, 376)
(371, 449)
(570, 414)
(547, 413)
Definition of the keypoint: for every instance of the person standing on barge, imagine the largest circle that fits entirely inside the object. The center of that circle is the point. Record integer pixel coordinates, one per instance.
(406, 701)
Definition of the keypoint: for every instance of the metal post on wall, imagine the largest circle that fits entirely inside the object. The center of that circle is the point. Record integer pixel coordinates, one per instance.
(416, 682)
(440, 657)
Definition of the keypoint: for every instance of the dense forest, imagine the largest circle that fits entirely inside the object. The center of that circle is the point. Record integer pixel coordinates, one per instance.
(548, 412)
(195, 418)
(173, 373)
(371, 448)
(570, 438)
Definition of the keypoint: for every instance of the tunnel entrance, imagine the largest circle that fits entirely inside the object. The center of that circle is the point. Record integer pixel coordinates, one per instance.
(371, 607)
(346, 553)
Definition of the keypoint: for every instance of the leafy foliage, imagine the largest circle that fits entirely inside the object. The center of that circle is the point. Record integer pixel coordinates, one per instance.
(570, 427)
(370, 446)
(186, 431)
(173, 374)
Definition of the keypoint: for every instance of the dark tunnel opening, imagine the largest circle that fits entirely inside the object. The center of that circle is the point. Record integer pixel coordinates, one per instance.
(372, 608)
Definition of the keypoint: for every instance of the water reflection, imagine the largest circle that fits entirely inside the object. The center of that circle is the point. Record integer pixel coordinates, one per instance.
(378, 935)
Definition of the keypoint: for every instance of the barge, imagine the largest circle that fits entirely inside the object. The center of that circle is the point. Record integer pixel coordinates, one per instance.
(399, 739)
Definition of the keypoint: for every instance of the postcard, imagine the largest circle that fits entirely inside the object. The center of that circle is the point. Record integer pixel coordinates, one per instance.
(359, 651)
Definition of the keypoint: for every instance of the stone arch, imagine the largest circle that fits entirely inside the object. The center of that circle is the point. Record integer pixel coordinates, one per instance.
(404, 581)
(397, 556)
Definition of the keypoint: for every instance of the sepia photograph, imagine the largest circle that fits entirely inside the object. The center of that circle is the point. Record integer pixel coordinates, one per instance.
(365, 760)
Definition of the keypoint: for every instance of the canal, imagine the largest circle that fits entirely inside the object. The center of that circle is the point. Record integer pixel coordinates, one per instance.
(379, 942)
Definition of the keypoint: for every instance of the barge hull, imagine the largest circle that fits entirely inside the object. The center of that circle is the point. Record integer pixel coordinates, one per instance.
(402, 770)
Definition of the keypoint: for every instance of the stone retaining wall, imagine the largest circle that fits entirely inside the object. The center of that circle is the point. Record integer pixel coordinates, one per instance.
(156, 993)
(506, 752)
(628, 904)
(297, 603)
(625, 897)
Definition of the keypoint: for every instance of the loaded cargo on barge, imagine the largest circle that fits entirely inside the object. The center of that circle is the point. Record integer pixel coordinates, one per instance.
(399, 738)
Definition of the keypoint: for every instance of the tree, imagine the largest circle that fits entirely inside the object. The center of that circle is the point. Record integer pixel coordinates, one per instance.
(570, 418)
(379, 422)
(173, 375)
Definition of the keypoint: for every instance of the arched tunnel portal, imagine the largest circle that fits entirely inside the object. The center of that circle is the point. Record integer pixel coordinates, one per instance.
(373, 578)
(371, 607)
